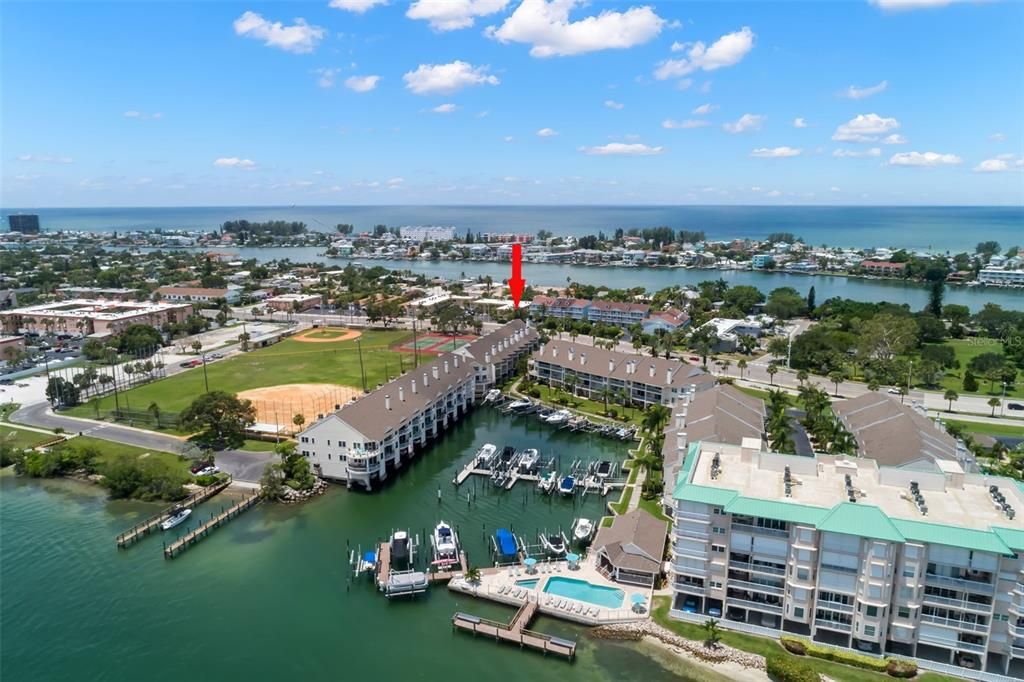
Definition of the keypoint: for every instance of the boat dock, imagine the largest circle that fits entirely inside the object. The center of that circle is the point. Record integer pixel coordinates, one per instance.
(516, 632)
(216, 521)
(141, 530)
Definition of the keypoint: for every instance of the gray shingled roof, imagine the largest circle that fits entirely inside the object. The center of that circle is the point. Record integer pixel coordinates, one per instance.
(616, 365)
(891, 433)
(635, 540)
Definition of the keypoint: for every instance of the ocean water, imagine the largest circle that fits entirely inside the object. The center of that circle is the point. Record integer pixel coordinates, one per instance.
(269, 596)
(952, 228)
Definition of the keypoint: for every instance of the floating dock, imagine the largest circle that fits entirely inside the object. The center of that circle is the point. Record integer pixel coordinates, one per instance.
(516, 632)
(192, 537)
(139, 531)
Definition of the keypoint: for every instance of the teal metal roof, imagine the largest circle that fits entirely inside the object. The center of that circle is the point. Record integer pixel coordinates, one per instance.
(1013, 537)
(686, 472)
(780, 511)
(952, 536)
(863, 520)
(702, 493)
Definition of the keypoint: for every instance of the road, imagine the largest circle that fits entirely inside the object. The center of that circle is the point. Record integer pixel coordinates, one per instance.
(242, 465)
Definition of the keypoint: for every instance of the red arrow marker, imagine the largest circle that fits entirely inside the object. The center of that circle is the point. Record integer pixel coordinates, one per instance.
(516, 283)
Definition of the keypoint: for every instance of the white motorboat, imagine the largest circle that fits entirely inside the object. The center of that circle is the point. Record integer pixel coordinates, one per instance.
(553, 543)
(520, 404)
(548, 482)
(559, 418)
(528, 459)
(492, 395)
(567, 486)
(178, 515)
(582, 530)
(485, 455)
(445, 543)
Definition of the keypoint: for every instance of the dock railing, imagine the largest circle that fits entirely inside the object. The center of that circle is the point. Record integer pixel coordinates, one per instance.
(144, 528)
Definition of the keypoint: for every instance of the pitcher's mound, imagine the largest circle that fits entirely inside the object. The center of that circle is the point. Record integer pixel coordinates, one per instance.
(279, 404)
(327, 335)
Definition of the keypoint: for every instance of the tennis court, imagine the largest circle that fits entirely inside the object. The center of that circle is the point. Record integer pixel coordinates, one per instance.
(434, 343)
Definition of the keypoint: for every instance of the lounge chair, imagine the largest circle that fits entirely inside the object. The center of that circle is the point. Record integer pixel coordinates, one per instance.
(579, 608)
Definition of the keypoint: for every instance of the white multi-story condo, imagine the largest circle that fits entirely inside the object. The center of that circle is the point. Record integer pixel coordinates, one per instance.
(848, 552)
(588, 371)
(1001, 277)
(365, 441)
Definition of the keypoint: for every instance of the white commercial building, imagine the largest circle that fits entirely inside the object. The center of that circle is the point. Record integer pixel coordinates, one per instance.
(427, 233)
(844, 551)
(1001, 277)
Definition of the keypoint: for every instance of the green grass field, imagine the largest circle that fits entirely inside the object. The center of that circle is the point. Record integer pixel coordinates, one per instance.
(288, 362)
(989, 429)
(21, 438)
(326, 333)
(965, 350)
(591, 407)
(112, 452)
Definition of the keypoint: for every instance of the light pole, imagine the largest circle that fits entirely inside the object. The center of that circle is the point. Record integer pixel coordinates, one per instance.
(206, 379)
(362, 371)
(1002, 402)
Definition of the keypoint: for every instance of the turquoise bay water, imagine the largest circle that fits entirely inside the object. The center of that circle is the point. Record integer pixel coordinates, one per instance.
(581, 590)
(269, 596)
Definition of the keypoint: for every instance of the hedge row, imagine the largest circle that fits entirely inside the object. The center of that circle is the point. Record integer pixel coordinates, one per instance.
(783, 669)
(893, 666)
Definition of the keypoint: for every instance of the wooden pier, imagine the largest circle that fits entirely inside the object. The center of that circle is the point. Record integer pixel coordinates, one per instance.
(139, 531)
(516, 632)
(192, 537)
(383, 563)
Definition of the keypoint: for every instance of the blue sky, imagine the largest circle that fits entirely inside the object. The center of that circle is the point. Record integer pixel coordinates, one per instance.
(511, 101)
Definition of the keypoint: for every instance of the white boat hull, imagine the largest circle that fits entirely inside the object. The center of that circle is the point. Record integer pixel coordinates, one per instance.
(176, 520)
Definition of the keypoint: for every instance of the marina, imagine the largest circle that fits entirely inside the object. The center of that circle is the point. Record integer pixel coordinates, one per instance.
(141, 530)
(216, 520)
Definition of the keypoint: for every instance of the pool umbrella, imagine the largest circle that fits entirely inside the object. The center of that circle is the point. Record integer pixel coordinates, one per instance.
(531, 564)
(638, 600)
(572, 559)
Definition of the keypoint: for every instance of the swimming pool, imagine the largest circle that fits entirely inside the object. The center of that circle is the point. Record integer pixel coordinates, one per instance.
(581, 590)
(528, 583)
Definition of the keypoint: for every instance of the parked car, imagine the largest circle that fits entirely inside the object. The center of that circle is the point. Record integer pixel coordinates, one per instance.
(209, 471)
(216, 356)
(893, 390)
(6, 382)
(186, 364)
(199, 466)
(1015, 406)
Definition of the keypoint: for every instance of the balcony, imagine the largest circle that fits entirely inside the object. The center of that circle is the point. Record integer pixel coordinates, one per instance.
(958, 583)
(764, 607)
(760, 530)
(683, 532)
(689, 588)
(836, 625)
(692, 516)
(757, 568)
(839, 569)
(834, 606)
(691, 553)
(963, 604)
(953, 623)
(1017, 651)
(755, 587)
(951, 644)
(689, 570)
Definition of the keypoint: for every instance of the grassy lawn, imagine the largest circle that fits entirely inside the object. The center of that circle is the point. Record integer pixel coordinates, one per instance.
(989, 429)
(591, 407)
(764, 646)
(653, 507)
(965, 350)
(20, 438)
(288, 362)
(259, 446)
(755, 392)
(622, 505)
(111, 452)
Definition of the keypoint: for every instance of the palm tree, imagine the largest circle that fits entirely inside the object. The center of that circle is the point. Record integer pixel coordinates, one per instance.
(473, 575)
(949, 396)
(655, 418)
(711, 633)
(299, 419)
(741, 365)
(903, 393)
(725, 365)
(624, 399)
(154, 410)
(993, 403)
(772, 370)
(801, 376)
(606, 394)
(836, 377)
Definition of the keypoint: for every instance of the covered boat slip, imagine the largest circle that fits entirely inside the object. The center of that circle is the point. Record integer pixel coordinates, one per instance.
(505, 543)
(401, 583)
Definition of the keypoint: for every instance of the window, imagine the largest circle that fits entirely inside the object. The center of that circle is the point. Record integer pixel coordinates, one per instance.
(904, 612)
(869, 630)
(328, 441)
(906, 593)
(803, 555)
(909, 571)
(871, 611)
(803, 574)
(716, 510)
(718, 531)
(877, 571)
(716, 585)
(328, 455)
(718, 548)
(798, 612)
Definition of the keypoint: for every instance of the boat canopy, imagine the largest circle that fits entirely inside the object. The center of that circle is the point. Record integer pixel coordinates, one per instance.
(506, 542)
(370, 557)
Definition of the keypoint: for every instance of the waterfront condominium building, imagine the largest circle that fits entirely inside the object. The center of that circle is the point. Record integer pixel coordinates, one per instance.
(365, 441)
(618, 313)
(845, 551)
(588, 371)
(98, 318)
(26, 223)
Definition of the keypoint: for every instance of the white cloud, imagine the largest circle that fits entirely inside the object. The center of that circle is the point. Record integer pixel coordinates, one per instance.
(704, 109)
(325, 77)
(835, 189)
(623, 149)
(142, 116)
(547, 27)
(924, 159)
(446, 79)
(746, 122)
(362, 83)
(895, 138)
(45, 158)
(1000, 164)
(451, 15)
(774, 193)
(671, 124)
(865, 128)
(854, 92)
(234, 162)
(911, 4)
(755, 189)
(546, 132)
(799, 123)
(356, 6)
(775, 152)
(445, 108)
(395, 182)
(677, 46)
(508, 138)
(997, 137)
(851, 154)
(299, 38)
(612, 104)
(728, 50)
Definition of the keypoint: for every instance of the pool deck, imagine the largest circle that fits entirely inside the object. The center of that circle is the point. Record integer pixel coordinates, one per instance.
(501, 587)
